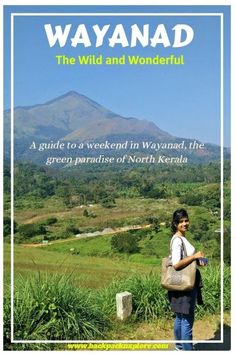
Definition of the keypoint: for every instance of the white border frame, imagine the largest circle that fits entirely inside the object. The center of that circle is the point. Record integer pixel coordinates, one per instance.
(221, 15)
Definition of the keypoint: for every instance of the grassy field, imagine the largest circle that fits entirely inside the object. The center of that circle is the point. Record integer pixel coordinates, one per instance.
(92, 272)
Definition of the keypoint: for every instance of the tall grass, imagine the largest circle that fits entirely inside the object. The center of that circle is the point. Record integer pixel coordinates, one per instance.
(212, 290)
(52, 307)
(150, 299)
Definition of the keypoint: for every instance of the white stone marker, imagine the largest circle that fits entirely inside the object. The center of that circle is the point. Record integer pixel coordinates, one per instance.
(123, 305)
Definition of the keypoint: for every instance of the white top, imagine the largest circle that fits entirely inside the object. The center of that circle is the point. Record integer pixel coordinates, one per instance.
(176, 248)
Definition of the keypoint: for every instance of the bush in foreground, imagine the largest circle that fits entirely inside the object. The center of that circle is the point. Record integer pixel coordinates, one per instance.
(51, 308)
(150, 299)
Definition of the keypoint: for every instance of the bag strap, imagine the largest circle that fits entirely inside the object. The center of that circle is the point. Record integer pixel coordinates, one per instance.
(183, 247)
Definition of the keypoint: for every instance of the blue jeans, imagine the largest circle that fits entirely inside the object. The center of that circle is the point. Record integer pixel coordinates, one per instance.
(183, 330)
(183, 325)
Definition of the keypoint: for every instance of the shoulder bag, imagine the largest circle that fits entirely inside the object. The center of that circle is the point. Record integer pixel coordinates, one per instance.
(178, 280)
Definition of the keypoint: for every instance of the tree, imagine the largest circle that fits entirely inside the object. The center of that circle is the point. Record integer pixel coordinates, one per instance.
(7, 226)
(227, 249)
(191, 198)
(227, 210)
(64, 192)
(30, 230)
(154, 221)
(125, 243)
(199, 228)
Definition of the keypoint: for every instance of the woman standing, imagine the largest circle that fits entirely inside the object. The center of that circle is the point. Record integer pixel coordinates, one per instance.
(183, 302)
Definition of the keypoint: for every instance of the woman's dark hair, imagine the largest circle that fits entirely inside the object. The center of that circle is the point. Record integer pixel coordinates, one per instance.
(177, 216)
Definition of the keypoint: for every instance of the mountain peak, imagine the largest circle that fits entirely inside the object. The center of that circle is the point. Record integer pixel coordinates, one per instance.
(70, 94)
(77, 98)
(73, 116)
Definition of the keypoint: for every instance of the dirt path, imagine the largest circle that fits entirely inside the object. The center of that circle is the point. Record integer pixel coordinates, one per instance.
(206, 329)
(107, 231)
(46, 216)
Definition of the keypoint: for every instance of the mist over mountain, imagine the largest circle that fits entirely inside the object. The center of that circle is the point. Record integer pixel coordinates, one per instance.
(75, 117)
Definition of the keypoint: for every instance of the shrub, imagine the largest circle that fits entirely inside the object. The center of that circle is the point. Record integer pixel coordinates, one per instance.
(72, 230)
(86, 213)
(51, 308)
(125, 243)
(7, 226)
(191, 198)
(30, 230)
(89, 214)
(50, 221)
(108, 202)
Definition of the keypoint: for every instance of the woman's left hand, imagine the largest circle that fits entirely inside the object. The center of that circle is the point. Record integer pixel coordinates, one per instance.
(201, 262)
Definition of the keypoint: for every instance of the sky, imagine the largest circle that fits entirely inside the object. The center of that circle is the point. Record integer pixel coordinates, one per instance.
(183, 100)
